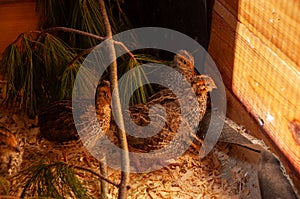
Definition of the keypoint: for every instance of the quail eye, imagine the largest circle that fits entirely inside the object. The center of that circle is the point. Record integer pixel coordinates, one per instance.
(184, 61)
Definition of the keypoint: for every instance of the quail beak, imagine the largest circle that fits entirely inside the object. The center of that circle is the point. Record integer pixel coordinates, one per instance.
(210, 86)
(209, 83)
(205, 81)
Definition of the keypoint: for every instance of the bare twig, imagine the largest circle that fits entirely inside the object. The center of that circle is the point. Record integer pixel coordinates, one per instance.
(103, 184)
(9, 197)
(87, 34)
(95, 173)
(73, 30)
(125, 165)
(80, 55)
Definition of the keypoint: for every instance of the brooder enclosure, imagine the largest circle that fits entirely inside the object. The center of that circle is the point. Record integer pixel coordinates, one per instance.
(46, 151)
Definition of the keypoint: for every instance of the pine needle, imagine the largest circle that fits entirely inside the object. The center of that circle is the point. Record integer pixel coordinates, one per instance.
(55, 180)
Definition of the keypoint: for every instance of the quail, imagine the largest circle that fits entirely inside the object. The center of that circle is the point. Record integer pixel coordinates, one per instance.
(183, 61)
(56, 120)
(183, 64)
(169, 121)
(89, 124)
(10, 152)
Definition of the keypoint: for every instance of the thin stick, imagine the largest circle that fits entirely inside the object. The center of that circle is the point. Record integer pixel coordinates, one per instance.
(95, 173)
(9, 197)
(72, 30)
(125, 165)
(103, 185)
(85, 52)
(87, 34)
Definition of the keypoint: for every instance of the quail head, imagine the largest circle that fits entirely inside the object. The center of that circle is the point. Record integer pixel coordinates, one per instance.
(183, 61)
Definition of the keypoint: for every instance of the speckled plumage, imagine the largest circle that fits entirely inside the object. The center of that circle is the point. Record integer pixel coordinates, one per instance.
(56, 120)
(10, 153)
(140, 115)
(183, 62)
(89, 133)
(201, 85)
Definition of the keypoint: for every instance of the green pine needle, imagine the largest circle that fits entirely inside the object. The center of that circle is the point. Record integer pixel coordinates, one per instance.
(55, 180)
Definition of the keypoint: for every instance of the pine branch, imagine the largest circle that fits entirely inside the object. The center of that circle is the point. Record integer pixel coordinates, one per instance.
(72, 30)
(87, 34)
(80, 55)
(95, 173)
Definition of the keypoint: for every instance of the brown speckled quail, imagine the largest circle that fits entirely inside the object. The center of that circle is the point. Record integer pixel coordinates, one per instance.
(201, 85)
(89, 133)
(56, 120)
(10, 153)
(183, 62)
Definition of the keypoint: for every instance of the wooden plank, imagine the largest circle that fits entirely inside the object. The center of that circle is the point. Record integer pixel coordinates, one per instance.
(16, 18)
(258, 58)
(222, 44)
(276, 23)
(271, 92)
(238, 113)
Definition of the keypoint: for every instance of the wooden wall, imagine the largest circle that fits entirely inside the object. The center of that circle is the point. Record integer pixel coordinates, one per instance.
(256, 45)
(15, 17)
